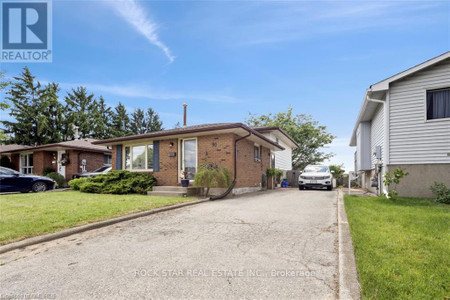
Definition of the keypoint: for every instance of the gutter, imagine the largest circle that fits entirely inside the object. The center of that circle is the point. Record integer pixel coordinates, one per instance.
(235, 170)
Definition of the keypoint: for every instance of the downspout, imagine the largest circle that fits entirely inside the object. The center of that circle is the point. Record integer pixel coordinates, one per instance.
(235, 170)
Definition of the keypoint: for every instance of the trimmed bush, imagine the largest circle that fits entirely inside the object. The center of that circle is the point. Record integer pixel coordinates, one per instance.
(75, 184)
(47, 171)
(60, 180)
(115, 182)
(441, 192)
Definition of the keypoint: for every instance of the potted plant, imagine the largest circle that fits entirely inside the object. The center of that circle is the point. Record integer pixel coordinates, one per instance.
(278, 174)
(184, 179)
(270, 177)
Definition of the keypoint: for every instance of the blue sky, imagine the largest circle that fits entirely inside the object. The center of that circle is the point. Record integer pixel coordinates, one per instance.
(229, 58)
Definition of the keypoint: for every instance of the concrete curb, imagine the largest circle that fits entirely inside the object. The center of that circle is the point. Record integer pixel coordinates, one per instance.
(91, 226)
(349, 287)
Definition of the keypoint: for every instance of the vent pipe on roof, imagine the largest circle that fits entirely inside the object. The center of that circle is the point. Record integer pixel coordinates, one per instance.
(184, 114)
(76, 135)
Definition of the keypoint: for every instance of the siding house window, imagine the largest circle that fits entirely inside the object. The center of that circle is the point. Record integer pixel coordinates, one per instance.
(138, 157)
(107, 159)
(26, 163)
(438, 104)
(257, 152)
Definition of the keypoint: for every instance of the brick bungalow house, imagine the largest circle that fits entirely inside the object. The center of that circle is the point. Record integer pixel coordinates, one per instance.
(66, 158)
(243, 150)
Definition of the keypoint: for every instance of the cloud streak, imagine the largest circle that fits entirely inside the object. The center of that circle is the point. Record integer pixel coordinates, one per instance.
(134, 14)
(136, 91)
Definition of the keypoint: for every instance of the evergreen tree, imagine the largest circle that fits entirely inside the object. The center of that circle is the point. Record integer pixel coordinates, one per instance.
(138, 123)
(153, 123)
(79, 108)
(25, 96)
(3, 104)
(102, 118)
(54, 114)
(121, 121)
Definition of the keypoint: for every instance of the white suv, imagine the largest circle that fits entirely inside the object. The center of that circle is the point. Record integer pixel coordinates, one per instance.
(315, 176)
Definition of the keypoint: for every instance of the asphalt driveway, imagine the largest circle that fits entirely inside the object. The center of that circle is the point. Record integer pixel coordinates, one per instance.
(274, 245)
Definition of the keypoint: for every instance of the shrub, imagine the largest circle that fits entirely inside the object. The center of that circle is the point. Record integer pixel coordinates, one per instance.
(47, 170)
(75, 184)
(441, 191)
(91, 187)
(115, 182)
(5, 162)
(60, 180)
(211, 175)
(393, 179)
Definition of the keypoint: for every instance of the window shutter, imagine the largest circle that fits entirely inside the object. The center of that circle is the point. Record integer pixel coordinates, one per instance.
(155, 156)
(118, 157)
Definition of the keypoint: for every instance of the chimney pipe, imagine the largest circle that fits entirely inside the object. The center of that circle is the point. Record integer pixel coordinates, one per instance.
(76, 135)
(184, 116)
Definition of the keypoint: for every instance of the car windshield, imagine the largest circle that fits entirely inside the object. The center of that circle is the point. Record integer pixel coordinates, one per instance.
(101, 169)
(316, 169)
(6, 171)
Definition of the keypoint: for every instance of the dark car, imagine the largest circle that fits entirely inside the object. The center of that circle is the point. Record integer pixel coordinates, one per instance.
(99, 171)
(13, 181)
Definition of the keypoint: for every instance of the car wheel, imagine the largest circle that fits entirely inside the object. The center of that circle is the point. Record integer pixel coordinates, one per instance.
(329, 187)
(301, 188)
(39, 186)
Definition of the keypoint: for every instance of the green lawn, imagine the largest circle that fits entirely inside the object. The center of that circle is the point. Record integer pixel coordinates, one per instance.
(402, 247)
(27, 215)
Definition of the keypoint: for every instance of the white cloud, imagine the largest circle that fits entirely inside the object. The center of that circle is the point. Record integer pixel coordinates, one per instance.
(135, 15)
(137, 91)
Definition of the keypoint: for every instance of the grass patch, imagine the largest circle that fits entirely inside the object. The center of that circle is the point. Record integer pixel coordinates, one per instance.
(402, 247)
(32, 214)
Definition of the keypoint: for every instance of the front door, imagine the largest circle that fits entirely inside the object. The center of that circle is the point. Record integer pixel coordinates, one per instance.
(189, 157)
(61, 167)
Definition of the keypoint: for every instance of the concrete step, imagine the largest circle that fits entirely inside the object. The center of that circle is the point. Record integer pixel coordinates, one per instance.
(167, 194)
(190, 191)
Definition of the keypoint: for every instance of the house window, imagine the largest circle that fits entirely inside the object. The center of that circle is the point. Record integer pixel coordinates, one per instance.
(257, 152)
(127, 158)
(277, 141)
(107, 159)
(139, 157)
(150, 156)
(438, 104)
(272, 160)
(26, 163)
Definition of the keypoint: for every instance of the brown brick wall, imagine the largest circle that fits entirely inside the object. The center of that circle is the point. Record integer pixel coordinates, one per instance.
(15, 160)
(42, 160)
(94, 161)
(249, 171)
(168, 166)
(218, 149)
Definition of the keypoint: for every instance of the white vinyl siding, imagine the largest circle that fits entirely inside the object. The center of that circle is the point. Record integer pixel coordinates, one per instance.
(413, 139)
(283, 159)
(363, 146)
(377, 134)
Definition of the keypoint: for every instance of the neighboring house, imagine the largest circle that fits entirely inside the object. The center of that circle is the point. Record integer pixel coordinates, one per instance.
(279, 159)
(404, 122)
(241, 149)
(66, 158)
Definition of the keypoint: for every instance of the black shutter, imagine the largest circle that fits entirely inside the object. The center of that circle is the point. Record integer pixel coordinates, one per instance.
(118, 157)
(155, 156)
